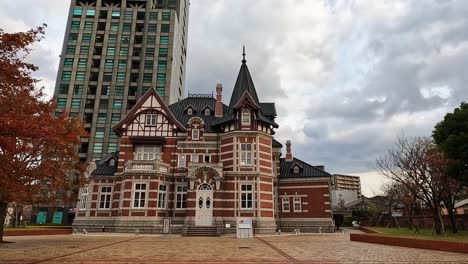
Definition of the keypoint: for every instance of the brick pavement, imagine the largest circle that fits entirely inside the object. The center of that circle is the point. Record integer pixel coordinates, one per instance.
(121, 248)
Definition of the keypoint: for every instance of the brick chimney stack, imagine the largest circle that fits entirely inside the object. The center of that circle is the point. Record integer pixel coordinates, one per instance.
(289, 156)
(219, 102)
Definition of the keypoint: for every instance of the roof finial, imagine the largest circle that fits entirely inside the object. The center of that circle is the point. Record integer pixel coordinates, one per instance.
(243, 55)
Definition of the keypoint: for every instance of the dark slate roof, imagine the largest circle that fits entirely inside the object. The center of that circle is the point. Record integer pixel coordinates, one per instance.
(306, 170)
(268, 109)
(276, 144)
(243, 83)
(198, 104)
(103, 167)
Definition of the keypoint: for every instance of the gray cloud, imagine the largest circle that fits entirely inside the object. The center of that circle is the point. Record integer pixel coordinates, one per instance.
(347, 76)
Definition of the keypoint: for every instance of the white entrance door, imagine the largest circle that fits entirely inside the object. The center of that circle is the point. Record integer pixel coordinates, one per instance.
(204, 205)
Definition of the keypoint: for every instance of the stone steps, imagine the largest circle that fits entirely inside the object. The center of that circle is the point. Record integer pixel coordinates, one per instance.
(202, 231)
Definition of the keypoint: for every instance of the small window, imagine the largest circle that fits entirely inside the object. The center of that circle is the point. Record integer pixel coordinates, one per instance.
(162, 197)
(77, 12)
(107, 77)
(296, 169)
(164, 40)
(115, 14)
(110, 51)
(127, 27)
(163, 52)
(151, 120)
(83, 199)
(61, 102)
(63, 89)
(101, 119)
(166, 16)
(181, 196)
(147, 77)
(123, 51)
(80, 76)
(297, 205)
(82, 63)
(68, 63)
(88, 25)
(194, 158)
(105, 198)
(246, 155)
(76, 103)
(285, 205)
(71, 50)
(128, 15)
(122, 64)
(151, 40)
(182, 161)
(195, 134)
(207, 158)
(117, 104)
(162, 65)
(189, 111)
(100, 132)
(73, 37)
(84, 50)
(165, 28)
(153, 16)
(109, 64)
(246, 196)
(121, 77)
(207, 112)
(75, 25)
(149, 64)
(245, 117)
(125, 39)
(78, 89)
(115, 27)
(86, 38)
(66, 76)
(161, 91)
(115, 118)
(139, 197)
(90, 13)
(152, 28)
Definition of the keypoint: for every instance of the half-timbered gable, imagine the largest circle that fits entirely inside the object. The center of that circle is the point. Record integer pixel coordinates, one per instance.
(150, 117)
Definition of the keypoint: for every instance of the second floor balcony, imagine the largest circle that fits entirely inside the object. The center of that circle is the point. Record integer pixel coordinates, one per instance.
(146, 166)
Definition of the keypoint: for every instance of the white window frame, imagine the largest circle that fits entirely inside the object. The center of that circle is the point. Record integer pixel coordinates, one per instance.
(195, 134)
(147, 152)
(190, 111)
(297, 201)
(151, 120)
(105, 197)
(162, 196)
(285, 201)
(194, 158)
(296, 169)
(245, 117)
(207, 112)
(83, 204)
(138, 193)
(246, 196)
(181, 197)
(246, 155)
(182, 161)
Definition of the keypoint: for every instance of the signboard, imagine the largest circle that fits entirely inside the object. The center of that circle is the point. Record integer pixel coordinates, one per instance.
(57, 219)
(244, 223)
(166, 226)
(41, 217)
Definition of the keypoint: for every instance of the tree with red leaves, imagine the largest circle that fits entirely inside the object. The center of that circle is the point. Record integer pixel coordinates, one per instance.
(37, 150)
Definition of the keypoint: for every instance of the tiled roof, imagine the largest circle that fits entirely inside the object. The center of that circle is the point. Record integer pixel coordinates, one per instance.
(306, 170)
(268, 109)
(104, 167)
(243, 84)
(276, 144)
(198, 105)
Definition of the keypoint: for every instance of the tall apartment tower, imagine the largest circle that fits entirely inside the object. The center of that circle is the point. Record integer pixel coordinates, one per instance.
(113, 52)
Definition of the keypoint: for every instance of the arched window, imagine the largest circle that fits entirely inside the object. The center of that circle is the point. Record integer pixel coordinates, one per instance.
(245, 117)
(189, 111)
(204, 187)
(296, 169)
(207, 112)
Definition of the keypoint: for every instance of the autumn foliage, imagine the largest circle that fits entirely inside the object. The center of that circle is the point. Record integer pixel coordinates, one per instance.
(38, 153)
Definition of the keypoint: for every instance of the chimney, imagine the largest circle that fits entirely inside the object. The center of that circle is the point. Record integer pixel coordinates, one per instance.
(289, 156)
(219, 102)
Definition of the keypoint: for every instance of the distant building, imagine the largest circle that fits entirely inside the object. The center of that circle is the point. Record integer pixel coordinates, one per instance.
(343, 197)
(347, 183)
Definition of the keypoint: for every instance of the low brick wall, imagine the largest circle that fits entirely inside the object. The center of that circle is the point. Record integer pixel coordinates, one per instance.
(459, 247)
(38, 232)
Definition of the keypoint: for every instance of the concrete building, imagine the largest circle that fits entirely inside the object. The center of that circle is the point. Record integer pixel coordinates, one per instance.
(198, 163)
(347, 183)
(343, 197)
(113, 52)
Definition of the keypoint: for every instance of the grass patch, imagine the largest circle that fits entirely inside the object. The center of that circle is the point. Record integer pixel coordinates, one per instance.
(461, 236)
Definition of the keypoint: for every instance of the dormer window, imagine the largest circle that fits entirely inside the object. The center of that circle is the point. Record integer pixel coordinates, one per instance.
(207, 112)
(150, 120)
(195, 134)
(190, 111)
(245, 117)
(296, 169)
(112, 162)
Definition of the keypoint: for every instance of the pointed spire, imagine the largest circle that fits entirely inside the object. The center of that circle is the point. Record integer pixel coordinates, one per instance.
(243, 55)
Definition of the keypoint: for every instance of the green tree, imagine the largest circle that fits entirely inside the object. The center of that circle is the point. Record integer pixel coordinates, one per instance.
(451, 136)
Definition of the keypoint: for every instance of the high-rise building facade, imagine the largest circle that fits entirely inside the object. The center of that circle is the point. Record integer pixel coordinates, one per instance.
(113, 52)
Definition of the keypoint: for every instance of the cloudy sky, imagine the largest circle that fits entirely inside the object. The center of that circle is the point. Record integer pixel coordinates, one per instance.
(347, 76)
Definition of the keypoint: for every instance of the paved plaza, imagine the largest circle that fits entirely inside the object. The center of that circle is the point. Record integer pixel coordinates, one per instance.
(126, 248)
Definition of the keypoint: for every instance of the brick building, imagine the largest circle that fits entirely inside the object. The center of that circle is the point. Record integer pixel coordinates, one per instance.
(199, 162)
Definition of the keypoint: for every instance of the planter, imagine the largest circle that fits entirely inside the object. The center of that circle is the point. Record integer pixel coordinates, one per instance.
(459, 247)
